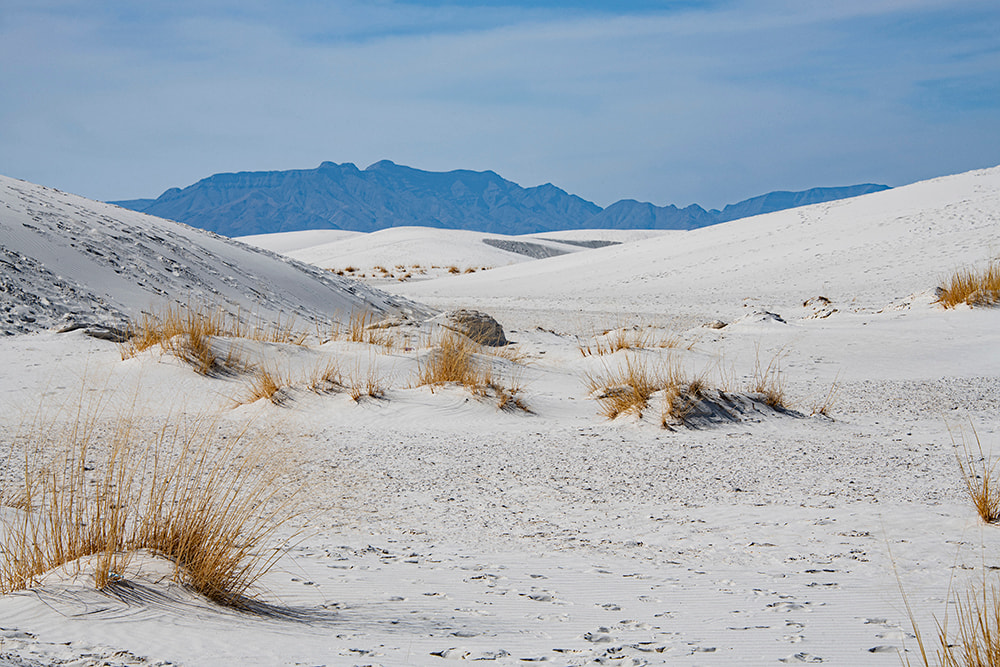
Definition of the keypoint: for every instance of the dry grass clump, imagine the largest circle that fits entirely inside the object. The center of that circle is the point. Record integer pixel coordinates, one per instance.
(625, 389)
(976, 643)
(768, 382)
(457, 359)
(207, 502)
(635, 337)
(615, 340)
(972, 287)
(184, 332)
(189, 334)
(361, 327)
(326, 378)
(628, 388)
(980, 478)
(826, 407)
(453, 360)
(368, 383)
(266, 383)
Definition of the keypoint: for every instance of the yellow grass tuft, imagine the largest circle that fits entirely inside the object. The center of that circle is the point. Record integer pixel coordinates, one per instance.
(768, 382)
(108, 488)
(980, 479)
(368, 383)
(266, 383)
(634, 337)
(453, 360)
(972, 287)
(190, 334)
(458, 359)
(362, 328)
(615, 340)
(326, 378)
(625, 389)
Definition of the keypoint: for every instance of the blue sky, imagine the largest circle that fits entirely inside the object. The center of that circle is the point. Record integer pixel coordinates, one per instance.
(668, 102)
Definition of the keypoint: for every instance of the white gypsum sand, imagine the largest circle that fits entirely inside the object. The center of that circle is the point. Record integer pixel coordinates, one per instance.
(435, 526)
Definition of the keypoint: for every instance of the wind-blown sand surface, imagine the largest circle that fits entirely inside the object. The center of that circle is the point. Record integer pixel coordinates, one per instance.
(436, 527)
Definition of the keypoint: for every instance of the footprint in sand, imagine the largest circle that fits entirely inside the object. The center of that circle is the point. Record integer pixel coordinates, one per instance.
(801, 657)
(600, 636)
(453, 653)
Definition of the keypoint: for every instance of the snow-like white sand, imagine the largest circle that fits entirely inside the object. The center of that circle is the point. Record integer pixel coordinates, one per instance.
(421, 253)
(66, 258)
(436, 527)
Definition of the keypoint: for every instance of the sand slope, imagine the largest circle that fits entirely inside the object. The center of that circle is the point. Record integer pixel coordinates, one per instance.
(66, 256)
(436, 527)
(868, 252)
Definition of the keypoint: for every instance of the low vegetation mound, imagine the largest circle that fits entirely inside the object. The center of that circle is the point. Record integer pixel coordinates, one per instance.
(457, 359)
(633, 386)
(972, 287)
(207, 500)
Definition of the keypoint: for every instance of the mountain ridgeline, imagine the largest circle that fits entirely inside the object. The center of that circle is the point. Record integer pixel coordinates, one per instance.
(341, 196)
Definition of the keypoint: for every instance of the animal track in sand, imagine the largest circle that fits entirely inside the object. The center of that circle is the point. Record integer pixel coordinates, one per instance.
(801, 657)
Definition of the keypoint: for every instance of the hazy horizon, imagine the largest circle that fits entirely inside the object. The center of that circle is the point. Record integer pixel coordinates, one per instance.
(665, 102)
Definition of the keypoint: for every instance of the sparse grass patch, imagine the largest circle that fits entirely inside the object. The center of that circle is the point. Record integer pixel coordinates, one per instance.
(972, 287)
(362, 328)
(826, 406)
(368, 383)
(625, 389)
(457, 359)
(979, 475)
(108, 487)
(190, 333)
(276, 332)
(635, 337)
(326, 378)
(266, 383)
(976, 643)
(357, 325)
(768, 382)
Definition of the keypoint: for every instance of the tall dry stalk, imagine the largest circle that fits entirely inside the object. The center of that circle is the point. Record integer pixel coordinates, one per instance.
(980, 478)
(768, 381)
(974, 640)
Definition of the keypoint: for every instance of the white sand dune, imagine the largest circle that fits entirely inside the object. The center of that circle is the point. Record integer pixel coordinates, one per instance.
(422, 253)
(285, 242)
(862, 253)
(436, 527)
(66, 256)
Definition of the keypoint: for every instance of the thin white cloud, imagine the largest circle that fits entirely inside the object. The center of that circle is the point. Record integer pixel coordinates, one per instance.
(694, 105)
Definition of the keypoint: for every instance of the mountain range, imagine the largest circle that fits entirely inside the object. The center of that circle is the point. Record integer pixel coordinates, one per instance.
(341, 196)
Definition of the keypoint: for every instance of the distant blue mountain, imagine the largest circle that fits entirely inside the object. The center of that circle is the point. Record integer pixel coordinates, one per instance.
(341, 196)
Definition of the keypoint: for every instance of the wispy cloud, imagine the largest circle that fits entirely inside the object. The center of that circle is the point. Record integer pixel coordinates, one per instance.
(666, 102)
